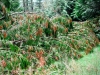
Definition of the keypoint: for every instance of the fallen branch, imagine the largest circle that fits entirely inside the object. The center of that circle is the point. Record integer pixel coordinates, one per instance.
(15, 13)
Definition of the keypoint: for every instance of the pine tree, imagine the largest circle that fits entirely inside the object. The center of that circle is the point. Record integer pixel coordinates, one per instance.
(85, 9)
(39, 3)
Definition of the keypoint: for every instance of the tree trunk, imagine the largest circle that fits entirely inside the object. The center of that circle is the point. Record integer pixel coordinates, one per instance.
(32, 5)
(24, 5)
(27, 5)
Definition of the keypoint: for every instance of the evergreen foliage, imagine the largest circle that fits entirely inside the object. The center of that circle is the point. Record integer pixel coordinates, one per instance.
(85, 9)
(11, 5)
(77, 9)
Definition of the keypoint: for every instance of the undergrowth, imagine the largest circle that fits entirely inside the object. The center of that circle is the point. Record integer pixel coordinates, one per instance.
(31, 43)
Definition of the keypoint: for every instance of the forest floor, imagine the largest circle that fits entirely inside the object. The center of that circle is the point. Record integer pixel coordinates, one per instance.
(35, 45)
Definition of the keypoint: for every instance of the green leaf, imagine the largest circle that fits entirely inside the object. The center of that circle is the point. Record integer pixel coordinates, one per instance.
(14, 48)
(24, 62)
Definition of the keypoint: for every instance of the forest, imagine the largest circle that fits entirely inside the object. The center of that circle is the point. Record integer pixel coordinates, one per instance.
(49, 37)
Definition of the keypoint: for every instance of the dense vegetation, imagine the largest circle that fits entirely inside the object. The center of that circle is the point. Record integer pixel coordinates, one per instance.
(44, 40)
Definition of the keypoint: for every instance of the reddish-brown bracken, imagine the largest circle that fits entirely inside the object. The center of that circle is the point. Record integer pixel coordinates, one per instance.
(3, 63)
(14, 72)
(30, 48)
(87, 51)
(3, 9)
(21, 17)
(56, 58)
(30, 37)
(69, 21)
(39, 32)
(66, 30)
(4, 34)
(1, 27)
(28, 29)
(54, 28)
(40, 57)
(87, 42)
(46, 24)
